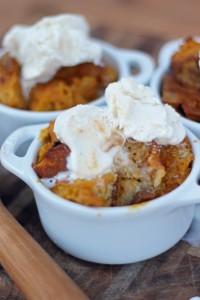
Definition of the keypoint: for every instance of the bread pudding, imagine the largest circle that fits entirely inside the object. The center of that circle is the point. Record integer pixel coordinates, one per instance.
(52, 65)
(181, 86)
(109, 158)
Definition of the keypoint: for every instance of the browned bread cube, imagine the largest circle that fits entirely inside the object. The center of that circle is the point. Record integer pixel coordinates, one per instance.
(183, 98)
(153, 170)
(10, 87)
(184, 64)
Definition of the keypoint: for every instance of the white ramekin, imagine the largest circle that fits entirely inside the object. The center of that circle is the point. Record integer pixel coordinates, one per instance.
(164, 59)
(121, 59)
(114, 235)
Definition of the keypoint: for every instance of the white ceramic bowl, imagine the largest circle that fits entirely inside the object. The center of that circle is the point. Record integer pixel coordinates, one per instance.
(164, 58)
(121, 59)
(114, 235)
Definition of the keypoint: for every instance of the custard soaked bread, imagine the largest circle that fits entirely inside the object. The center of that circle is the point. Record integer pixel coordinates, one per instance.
(53, 65)
(185, 64)
(108, 157)
(153, 171)
(10, 87)
(181, 87)
(64, 91)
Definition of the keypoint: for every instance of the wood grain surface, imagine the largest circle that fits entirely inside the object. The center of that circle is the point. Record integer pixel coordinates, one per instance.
(32, 269)
(133, 24)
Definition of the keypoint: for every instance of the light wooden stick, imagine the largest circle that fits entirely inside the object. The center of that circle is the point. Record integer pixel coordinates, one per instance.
(30, 267)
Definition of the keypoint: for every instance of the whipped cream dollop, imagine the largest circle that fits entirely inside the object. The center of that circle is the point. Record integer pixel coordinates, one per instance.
(52, 42)
(141, 116)
(96, 136)
(91, 134)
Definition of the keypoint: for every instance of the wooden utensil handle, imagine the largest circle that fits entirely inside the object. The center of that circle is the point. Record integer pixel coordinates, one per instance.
(30, 267)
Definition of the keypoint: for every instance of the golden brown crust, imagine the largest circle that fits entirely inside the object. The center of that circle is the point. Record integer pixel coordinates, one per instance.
(184, 64)
(85, 89)
(10, 87)
(141, 176)
(52, 160)
(177, 161)
(181, 88)
(152, 171)
(95, 192)
(70, 86)
(51, 96)
(185, 100)
(172, 91)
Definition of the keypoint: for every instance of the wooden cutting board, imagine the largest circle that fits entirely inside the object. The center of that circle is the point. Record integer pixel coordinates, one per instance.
(174, 275)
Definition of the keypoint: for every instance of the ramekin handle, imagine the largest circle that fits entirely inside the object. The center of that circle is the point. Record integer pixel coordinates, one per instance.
(8, 155)
(142, 61)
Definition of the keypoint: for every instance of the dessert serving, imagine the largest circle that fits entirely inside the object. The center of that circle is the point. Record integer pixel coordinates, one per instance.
(138, 149)
(181, 85)
(131, 152)
(52, 65)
